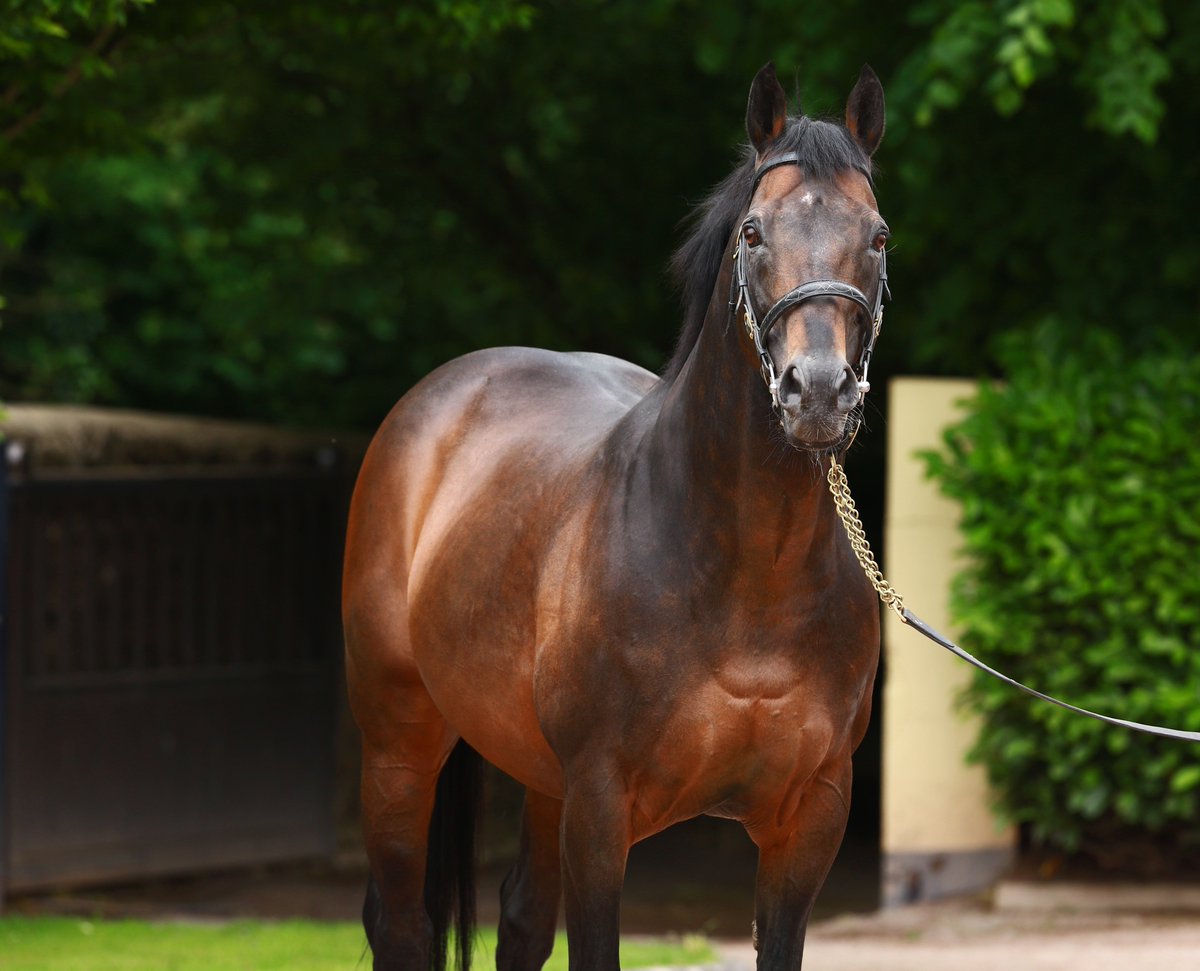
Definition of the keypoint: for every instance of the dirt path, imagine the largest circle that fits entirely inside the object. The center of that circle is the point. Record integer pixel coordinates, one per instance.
(967, 937)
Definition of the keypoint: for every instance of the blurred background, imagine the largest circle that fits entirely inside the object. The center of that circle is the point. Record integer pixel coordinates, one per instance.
(281, 215)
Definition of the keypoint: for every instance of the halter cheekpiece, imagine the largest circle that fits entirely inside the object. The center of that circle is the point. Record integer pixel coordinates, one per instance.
(739, 299)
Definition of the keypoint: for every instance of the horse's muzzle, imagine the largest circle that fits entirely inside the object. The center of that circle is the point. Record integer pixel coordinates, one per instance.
(816, 397)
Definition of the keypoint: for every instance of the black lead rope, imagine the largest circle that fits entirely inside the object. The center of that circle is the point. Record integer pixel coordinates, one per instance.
(840, 488)
(917, 624)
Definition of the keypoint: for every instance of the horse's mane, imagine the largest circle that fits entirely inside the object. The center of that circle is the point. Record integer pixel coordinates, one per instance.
(824, 149)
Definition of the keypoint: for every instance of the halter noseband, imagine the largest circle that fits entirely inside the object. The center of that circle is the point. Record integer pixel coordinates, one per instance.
(739, 298)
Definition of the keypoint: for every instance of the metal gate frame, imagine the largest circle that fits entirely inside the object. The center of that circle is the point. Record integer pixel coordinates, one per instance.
(198, 744)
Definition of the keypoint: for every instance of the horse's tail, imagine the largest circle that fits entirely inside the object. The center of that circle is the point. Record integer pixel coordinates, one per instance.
(450, 858)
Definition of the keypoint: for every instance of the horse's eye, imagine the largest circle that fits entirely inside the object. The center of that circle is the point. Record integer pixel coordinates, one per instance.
(880, 241)
(750, 235)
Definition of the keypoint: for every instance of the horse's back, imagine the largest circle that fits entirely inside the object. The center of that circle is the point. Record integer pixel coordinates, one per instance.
(512, 411)
(483, 412)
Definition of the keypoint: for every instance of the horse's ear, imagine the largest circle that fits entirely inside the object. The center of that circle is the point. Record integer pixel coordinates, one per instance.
(864, 111)
(766, 111)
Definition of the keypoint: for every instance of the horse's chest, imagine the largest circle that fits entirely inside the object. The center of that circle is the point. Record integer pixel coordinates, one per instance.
(727, 755)
(743, 743)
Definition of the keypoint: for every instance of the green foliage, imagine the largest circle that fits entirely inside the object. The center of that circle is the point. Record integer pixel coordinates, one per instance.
(1068, 205)
(294, 211)
(240, 241)
(46, 48)
(1112, 48)
(1079, 484)
(315, 204)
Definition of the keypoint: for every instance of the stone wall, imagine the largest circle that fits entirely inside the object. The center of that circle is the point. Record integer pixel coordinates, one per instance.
(65, 438)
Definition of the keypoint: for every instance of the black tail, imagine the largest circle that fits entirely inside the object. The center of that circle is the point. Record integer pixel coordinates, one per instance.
(450, 859)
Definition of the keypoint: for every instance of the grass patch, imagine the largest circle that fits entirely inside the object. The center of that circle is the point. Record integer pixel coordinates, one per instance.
(71, 944)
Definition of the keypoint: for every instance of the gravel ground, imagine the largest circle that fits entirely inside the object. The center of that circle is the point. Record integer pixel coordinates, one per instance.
(965, 936)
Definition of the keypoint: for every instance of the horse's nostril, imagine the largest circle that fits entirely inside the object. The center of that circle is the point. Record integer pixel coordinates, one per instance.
(820, 384)
(849, 388)
(791, 386)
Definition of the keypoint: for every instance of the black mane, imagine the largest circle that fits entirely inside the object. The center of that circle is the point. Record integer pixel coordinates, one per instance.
(825, 148)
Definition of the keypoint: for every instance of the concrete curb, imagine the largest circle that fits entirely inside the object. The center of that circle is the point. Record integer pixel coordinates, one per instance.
(1011, 896)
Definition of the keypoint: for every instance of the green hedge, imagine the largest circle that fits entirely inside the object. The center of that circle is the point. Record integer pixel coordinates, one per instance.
(1079, 485)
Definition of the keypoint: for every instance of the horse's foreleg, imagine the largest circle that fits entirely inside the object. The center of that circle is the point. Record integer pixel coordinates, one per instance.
(595, 837)
(794, 858)
(530, 893)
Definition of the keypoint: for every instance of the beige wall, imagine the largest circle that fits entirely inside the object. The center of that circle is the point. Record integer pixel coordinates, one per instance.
(938, 834)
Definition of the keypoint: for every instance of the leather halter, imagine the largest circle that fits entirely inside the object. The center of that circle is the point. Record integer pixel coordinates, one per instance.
(739, 298)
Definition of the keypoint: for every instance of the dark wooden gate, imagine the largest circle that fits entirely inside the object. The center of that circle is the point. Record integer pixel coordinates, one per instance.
(171, 649)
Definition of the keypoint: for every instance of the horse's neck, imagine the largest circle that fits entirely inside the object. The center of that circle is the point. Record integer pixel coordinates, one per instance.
(716, 451)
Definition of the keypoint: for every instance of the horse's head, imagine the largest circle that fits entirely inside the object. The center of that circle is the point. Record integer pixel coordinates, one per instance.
(810, 272)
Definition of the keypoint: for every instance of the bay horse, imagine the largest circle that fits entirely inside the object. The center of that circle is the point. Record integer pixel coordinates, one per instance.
(630, 592)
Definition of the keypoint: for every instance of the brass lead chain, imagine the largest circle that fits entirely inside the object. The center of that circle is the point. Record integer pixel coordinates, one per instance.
(840, 489)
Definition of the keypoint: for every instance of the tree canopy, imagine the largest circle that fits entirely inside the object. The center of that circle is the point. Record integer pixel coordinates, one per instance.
(293, 211)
